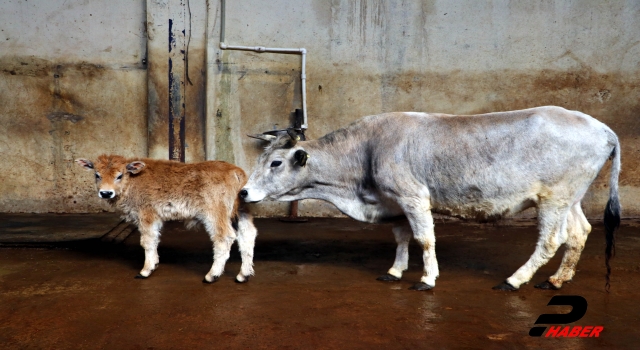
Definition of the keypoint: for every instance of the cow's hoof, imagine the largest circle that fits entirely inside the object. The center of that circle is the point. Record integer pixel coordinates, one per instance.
(546, 285)
(241, 279)
(140, 277)
(421, 286)
(505, 286)
(388, 278)
(215, 279)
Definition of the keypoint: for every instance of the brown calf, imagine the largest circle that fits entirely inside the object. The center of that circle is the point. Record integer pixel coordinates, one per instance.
(150, 191)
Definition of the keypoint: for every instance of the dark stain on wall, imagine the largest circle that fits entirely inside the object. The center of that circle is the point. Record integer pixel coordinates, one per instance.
(54, 112)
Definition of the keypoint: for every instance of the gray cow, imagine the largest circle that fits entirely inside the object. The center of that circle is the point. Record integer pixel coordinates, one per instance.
(397, 165)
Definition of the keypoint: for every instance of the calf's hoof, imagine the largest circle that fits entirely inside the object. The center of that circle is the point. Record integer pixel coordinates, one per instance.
(388, 278)
(242, 279)
(213, 280)
(140, 277)
(505, 286)
(421, 286)
(546, 285)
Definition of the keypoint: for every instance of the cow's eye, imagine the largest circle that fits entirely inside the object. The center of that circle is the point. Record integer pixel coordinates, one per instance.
(98, 176)
(275, 163)
(119, 177)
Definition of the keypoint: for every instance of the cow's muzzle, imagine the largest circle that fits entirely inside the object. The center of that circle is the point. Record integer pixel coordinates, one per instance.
(250, 196)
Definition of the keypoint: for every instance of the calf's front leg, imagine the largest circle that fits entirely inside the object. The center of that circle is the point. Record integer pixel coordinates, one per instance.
(149, 228)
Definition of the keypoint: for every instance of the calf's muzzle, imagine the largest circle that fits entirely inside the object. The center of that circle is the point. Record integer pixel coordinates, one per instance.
(106, 194)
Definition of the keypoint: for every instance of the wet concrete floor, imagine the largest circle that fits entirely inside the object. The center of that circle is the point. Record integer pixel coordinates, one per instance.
(315, 288)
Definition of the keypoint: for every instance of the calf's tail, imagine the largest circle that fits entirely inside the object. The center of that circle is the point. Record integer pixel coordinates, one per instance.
(612, 211)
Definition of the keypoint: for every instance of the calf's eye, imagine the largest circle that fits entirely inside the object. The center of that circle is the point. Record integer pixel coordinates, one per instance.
(97, 176)
(275, 163)
(119, 177)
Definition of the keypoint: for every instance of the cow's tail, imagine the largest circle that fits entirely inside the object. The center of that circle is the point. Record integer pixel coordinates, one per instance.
(612, 211)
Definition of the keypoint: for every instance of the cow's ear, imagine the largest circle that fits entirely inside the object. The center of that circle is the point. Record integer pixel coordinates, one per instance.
(135, 167)
(85, 163)
(301, 157)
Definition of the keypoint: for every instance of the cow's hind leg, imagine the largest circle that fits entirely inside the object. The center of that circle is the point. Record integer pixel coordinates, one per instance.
(402, 233)
(247, 233)
(149, 228)
(578, 229)
(222, 235)
(552, 221)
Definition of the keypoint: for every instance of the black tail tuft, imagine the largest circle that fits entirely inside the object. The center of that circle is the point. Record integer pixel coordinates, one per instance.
(611, 224)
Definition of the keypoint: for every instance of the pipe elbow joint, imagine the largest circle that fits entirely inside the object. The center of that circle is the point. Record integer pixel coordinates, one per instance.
(223, 46)
(303, 51)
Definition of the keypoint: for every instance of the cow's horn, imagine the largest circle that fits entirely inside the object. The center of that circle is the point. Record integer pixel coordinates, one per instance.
(263, 137)
(294, 136)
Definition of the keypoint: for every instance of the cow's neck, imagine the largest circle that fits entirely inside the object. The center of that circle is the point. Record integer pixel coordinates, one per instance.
(335, 173)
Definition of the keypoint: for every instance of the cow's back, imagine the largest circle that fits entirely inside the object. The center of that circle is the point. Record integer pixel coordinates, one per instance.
(481, 165)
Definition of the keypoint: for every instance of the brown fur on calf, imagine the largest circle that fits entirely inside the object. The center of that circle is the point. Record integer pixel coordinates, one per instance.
(150, 191)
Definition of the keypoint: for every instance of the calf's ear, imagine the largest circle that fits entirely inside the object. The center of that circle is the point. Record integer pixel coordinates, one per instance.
(301, 157)
(85, 163)
(135, 167)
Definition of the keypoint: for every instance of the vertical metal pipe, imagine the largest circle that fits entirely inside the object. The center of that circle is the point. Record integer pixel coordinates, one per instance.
(303, 81)
(301, 51)
(222, 17)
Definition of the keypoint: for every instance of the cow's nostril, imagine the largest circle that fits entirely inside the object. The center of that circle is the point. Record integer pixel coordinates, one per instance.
(243, 193)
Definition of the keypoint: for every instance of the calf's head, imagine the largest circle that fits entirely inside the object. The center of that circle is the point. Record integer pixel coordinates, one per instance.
(111, 173)
(281, 169)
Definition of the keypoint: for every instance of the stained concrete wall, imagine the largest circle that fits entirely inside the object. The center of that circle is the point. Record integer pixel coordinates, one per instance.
(72, 84)
(460, 57)
(72, 81)
(193, 89)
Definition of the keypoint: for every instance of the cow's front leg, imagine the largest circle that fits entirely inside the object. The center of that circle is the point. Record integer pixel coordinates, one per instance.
(418, 211)
(149, 228)
(402, 233)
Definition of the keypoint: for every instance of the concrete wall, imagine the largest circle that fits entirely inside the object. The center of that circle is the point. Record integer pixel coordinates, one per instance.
(192, 43)
(461, 57)
(72, 82)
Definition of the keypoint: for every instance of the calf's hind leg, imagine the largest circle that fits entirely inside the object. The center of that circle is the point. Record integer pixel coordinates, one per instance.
(222, 235)
(246, 241)
(578, 229)
(402, 233)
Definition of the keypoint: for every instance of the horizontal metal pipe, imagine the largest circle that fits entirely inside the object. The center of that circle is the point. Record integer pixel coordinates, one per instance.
(260, 48)
(301, 51)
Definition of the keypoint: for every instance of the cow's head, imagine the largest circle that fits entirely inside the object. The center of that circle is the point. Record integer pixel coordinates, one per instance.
(280, 170)
(112, 173)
